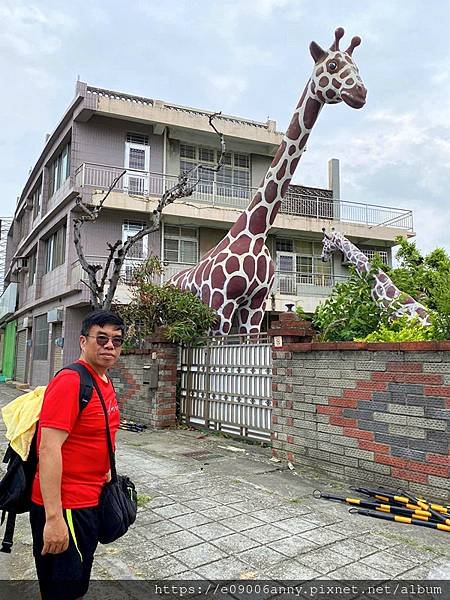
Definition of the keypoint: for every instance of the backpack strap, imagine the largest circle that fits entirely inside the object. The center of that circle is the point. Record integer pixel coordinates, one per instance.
(9, 531)
(86, 383)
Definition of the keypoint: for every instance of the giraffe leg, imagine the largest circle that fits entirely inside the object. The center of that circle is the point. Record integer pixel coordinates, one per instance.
(224, 320)
(251, 315)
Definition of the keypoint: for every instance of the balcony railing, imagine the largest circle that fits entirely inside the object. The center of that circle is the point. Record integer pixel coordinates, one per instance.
(143, 183)
(286, 282)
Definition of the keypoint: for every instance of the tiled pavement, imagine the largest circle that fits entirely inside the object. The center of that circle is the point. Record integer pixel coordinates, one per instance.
(215, 508)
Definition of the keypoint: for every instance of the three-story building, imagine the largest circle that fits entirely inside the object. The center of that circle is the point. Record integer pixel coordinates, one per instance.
(103, 133)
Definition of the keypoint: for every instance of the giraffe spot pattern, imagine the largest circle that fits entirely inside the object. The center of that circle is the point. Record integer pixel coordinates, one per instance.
(294, 129)
(217, 300)
(258, 223)
(236, 287)
(279, 154)
(319, 71)
(271, 192)
(311, 111)
(258, 246)
(256, 318)
(244, 315)
(241, 245)
(261, 268)
(241, 223)
(249, 266)
(276, 208)
(292, 149)
(300, 102)
(337, 84)
(232, 264)
(323, 81)
(218, 277)
(293, 166)
(228, 310)
(282, 170)
(350, 81)
(256, 200)
(345, 73)
(320, 96)
(284, 187)
(330, 93)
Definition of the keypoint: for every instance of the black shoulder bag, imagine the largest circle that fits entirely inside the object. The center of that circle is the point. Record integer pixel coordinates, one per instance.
(118, 501)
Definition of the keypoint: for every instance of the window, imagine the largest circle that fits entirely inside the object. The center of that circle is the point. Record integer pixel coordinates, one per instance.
(31, 268)
(138, 251)
(59, 170)
(284, 245)
(40, 351)
(180, 245)
(299, 263)
(55, 250)
(233, 179)
(36, 199)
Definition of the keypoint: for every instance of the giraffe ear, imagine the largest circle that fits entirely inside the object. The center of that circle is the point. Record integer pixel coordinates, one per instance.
(317, 52)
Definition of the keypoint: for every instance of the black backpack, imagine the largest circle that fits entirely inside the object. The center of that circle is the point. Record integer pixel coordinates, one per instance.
(15, 487)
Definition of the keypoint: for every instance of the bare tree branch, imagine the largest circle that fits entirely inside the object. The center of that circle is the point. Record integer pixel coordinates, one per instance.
(185, 186)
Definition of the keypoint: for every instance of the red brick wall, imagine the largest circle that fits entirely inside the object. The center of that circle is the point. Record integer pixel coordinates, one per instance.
(368, 413)
(141, 402)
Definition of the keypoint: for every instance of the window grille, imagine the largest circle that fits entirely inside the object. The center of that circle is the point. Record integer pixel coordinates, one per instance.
(137, 138)
(40, 346)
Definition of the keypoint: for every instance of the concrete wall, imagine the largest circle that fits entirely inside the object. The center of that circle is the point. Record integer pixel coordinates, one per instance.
(102, 140)
(378, 416)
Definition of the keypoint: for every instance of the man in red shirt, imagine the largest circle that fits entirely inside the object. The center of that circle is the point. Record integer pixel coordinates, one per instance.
(74, 463)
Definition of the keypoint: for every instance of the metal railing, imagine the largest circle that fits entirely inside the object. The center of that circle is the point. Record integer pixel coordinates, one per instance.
(147, 184)
(294, 283)
(286, 282)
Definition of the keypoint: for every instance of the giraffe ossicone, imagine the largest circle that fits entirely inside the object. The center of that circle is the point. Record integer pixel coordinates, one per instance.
(384, 292)
(236, 276)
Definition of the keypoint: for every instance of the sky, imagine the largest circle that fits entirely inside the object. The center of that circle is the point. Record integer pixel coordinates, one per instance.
(248, 58)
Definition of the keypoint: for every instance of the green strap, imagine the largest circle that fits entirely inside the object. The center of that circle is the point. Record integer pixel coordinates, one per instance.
(72, 530)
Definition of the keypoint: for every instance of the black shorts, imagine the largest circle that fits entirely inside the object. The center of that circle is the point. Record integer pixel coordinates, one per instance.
(66, 575)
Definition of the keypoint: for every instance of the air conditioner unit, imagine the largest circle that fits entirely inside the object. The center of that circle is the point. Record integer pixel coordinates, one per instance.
(27, 322)
(20, 265)
(55, 315)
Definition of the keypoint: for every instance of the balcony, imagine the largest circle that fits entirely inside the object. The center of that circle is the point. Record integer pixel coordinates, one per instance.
(153, 185)
(286, 282)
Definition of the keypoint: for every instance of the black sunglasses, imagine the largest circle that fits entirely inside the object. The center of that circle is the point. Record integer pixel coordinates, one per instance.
(102, 339)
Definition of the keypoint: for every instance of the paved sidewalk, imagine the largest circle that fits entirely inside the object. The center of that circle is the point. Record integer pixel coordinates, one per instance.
(215, 508)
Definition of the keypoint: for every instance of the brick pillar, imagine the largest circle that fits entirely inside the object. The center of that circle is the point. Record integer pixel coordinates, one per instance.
(290, 329)
(145, 382)
(163, 354)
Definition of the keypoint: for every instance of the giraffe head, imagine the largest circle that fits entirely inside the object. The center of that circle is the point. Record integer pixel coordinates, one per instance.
(329, 244)
(336, 76)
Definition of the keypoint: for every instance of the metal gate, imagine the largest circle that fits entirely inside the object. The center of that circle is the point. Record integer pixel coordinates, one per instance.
(21, 355)
(226, 385)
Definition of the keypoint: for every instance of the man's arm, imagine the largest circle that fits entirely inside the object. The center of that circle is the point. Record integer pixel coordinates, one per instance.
(56, 535)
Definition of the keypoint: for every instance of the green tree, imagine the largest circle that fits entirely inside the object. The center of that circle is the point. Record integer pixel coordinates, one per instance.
(349, 312)
(185, 317)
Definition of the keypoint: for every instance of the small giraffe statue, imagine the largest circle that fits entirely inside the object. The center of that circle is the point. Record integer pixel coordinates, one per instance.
(384, 291)
(236, 276)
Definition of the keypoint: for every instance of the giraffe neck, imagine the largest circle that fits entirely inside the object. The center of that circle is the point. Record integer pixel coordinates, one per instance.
(258, 218)
(353, 254)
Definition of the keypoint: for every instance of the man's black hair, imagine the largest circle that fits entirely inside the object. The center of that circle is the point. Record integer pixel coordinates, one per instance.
(101, 318)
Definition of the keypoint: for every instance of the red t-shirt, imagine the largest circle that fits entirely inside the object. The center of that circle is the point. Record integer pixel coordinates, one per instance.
(85, 459)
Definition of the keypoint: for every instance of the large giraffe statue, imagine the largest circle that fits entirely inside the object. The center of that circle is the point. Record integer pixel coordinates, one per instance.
(236, 276)
(384, 291)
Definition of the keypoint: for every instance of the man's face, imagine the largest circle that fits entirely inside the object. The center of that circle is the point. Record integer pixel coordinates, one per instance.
(97, 353)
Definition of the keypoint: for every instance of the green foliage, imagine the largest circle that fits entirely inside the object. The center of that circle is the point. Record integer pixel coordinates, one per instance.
(349, 312)
(185, 317)
(400, 330)
(301, 313)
